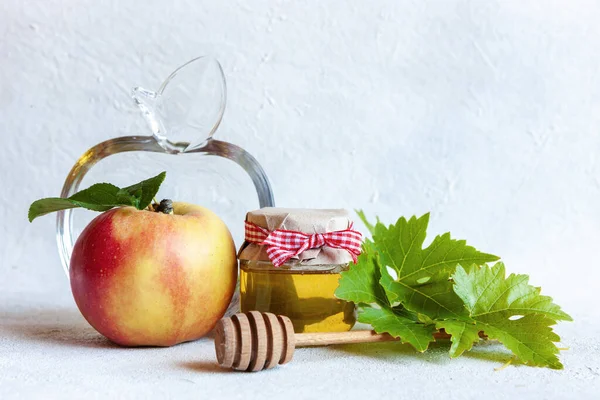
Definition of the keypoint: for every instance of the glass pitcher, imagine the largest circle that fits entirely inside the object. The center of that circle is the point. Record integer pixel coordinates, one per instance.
(183, 115)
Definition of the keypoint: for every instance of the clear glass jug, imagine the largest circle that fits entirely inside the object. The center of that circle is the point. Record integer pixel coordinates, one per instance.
(183, 115)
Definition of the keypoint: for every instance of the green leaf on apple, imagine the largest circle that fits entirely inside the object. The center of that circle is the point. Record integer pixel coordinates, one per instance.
(101, 197)
(144, 191)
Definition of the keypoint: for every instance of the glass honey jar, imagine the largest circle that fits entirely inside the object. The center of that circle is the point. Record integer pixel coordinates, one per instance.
(291, 262)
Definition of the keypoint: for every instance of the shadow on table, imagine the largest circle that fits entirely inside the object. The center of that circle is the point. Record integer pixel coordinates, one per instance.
(395, 352)
(60, 326)
(205, 366)
(492, 350)
(437, 353)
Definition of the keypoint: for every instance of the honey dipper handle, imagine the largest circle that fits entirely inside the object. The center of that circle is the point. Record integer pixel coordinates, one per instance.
(325, 338)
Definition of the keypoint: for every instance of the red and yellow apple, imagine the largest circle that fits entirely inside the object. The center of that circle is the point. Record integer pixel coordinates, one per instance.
(144, 278)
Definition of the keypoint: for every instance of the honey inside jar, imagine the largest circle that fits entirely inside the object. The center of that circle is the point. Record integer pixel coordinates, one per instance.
(305, 296)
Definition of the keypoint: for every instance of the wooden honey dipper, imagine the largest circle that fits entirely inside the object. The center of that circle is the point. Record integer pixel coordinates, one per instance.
(255, 341)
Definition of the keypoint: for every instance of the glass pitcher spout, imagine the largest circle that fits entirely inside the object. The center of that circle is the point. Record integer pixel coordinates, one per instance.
(188, 107)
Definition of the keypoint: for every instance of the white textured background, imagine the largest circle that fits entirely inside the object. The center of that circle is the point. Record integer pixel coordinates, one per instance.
(485, 113)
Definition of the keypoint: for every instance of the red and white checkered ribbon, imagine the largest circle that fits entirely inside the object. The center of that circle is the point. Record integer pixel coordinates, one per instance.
(283, 245)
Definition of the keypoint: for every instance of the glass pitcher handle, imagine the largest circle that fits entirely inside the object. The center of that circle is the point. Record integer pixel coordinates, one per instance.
(64, 219)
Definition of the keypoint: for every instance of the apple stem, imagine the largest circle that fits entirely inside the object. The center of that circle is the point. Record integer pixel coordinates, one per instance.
(152, 206)
(165, 206)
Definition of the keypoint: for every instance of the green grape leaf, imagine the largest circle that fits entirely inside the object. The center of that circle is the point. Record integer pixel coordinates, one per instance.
(101, 197)
(398, 323)
(464, 335)
(487, 293)
(417, 277)
(409, 291)
(360, 283)
(507, 309)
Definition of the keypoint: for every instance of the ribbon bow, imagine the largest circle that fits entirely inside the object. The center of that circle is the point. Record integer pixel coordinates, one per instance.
(283, 244)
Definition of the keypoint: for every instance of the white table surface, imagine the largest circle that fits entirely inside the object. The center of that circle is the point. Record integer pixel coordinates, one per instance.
(484, 113)
(48, 351)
